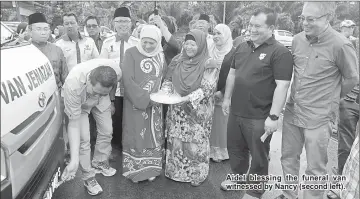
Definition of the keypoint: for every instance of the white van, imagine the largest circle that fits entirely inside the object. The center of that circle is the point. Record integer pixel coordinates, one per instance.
(32, 146)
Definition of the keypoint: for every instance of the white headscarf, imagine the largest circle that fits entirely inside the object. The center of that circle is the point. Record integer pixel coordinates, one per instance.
(152, 32)
(218, 52)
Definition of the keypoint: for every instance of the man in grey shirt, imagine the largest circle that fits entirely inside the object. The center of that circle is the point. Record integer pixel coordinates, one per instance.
(325, 70)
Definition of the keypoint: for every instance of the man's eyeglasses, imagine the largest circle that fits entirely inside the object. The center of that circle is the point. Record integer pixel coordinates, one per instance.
(92, 26)
(311, 19)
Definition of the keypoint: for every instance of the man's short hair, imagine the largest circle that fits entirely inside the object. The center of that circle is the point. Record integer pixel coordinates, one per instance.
(92, 17)
(69, 15)
(271, 16)
(325, 7)
(105, 75)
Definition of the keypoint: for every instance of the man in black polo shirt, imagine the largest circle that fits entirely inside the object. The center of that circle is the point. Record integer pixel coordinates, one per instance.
(257, 86)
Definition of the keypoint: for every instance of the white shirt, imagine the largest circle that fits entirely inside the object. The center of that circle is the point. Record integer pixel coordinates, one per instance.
(111, 50)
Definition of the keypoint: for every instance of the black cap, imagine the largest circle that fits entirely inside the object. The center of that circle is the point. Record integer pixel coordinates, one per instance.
(37, 18)
(189, 37)
(204, 17)
(122, 12)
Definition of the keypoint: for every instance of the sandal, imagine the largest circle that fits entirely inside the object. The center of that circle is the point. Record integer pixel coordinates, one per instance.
(195, 184)
(332, 195)
(151, 179)
(216, 160)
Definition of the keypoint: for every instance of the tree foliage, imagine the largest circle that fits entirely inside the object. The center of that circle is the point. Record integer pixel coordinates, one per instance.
(184, 11)
(285, 23)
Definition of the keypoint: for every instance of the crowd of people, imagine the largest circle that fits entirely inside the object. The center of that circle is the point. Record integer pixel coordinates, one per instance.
(232, 91)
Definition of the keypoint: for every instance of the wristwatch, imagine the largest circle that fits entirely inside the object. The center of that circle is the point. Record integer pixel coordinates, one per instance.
(273, 117)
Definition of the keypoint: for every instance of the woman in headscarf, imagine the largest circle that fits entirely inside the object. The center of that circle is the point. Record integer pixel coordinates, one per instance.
(223, 44)
(142, 124)
(193, 76)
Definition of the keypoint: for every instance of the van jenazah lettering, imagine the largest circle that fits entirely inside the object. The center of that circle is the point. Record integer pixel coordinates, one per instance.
(19, 86)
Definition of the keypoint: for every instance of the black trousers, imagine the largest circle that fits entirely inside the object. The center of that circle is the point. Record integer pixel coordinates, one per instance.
(349, 116)
(243, 139)
(117, 122)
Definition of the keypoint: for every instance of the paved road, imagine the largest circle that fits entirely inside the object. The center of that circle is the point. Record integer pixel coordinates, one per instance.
(117, 187)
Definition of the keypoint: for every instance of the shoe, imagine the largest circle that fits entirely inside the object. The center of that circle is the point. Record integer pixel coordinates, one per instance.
(103, 168)
(195, 184)
(216, 160)
(151, 179)
(282, 196)
(92, 186)
(247, 196)
(332, 195)
(224, 184)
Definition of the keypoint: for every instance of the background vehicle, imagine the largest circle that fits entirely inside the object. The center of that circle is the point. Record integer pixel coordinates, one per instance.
(285, 37)
(32, 147)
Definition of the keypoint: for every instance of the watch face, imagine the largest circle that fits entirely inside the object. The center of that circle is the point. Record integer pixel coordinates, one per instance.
(274, 117)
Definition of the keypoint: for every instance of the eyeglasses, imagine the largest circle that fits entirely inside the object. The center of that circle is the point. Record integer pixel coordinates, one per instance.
(122, 21)
(311, 19)
(92, 26)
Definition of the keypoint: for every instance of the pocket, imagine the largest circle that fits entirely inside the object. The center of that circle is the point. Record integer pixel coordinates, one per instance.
(321, 66)
(114, 55)
(69, 51)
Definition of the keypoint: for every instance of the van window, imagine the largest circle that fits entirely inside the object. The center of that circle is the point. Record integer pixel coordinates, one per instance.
(6, 34)
(10, 38)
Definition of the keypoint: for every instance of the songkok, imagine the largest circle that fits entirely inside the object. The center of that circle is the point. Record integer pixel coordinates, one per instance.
(189, 37)
(37, 18)
(122, 12)
(204, 17)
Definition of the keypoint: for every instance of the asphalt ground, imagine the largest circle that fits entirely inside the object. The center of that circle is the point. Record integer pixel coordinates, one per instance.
(117, 187)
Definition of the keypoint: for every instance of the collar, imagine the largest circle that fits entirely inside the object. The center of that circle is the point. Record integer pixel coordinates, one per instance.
(37, 44)
(320, 37)
(269, 41)
(98, 37)
(125, 37)
(67, 38)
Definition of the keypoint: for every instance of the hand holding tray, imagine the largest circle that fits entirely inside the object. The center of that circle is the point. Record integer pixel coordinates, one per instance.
(166, 98)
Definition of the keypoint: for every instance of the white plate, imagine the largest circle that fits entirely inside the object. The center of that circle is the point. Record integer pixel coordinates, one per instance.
(54, 183)
(164, 98)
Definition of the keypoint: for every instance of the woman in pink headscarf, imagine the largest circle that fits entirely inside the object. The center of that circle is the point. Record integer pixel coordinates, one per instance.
(192, 75)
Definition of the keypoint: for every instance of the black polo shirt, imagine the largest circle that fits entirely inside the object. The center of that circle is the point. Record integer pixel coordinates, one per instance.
(256, 72)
